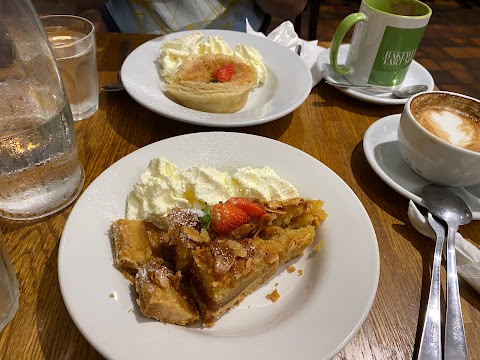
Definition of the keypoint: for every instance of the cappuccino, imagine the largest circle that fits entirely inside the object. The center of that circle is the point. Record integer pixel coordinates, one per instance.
(451, 118)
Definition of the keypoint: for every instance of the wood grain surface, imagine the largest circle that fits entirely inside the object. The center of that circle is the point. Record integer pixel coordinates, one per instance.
(329, 126)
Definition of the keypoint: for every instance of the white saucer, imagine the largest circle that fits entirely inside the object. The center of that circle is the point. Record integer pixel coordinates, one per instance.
(416, 74)
(382, 153)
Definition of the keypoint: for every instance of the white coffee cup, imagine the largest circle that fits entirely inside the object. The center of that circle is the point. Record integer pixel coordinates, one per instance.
(439, 137)
(386, 36)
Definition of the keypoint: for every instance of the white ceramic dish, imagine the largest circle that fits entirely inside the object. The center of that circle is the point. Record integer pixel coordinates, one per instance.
(381, 150)
(288, 85)
(317, 314)
(416, 74)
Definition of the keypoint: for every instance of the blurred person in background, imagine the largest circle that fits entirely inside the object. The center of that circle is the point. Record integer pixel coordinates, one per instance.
(167, 16)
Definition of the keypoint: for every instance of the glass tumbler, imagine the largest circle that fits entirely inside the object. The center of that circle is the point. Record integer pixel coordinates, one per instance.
(73, 42)
(8, 287)
(40, 173)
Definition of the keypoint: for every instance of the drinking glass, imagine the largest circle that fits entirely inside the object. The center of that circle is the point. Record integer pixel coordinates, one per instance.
(73, 42)
(8, 287)
(39, 168)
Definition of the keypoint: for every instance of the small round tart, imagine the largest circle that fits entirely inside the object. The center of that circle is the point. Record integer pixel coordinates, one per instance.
(214, 83)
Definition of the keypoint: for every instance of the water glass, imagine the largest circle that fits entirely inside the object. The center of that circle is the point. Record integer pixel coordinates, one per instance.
(73, 42)
(8, 287)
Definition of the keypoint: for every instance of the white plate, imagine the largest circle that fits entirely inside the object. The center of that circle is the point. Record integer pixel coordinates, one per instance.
(381, 150)
(288, 85)
(416, 74)
(317, 314)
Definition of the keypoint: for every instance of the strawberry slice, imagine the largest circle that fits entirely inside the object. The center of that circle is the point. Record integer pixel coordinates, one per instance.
(224, 73)
(252, 209)
(226, 217)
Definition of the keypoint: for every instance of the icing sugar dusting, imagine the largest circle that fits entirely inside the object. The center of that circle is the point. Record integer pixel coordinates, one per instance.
(452, 127)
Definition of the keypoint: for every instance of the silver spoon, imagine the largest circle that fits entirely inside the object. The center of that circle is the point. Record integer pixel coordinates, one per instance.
(431, 342)
(447, 206)
(404, 92)
(123, 53)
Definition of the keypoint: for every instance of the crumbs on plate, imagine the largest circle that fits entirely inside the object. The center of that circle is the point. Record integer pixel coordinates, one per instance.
(274, 296)
(319, 246)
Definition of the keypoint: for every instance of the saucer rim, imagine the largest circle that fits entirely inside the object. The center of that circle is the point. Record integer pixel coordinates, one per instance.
(363, 96)
(389, 124)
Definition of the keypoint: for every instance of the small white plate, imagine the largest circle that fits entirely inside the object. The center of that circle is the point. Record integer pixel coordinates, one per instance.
(380, 146)
(317, 314)
(288, 85)
(416, 74)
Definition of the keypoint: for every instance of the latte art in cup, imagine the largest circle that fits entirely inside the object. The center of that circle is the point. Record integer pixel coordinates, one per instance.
(439, 137)
(459, 125)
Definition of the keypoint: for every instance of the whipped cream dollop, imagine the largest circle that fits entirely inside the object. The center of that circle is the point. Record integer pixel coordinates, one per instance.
(173, 53)
(162, 187)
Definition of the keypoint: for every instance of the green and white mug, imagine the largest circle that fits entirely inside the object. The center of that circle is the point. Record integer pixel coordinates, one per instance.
(384, 41)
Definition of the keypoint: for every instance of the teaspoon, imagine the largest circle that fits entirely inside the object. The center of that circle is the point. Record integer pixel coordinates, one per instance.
(404, 92)
(447, 206)
(431, 341)
(123, 53)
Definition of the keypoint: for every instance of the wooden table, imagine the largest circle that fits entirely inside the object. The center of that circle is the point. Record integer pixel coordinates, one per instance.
(329, 126)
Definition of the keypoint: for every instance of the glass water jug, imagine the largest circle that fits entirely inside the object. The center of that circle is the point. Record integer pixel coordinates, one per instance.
(40, 173)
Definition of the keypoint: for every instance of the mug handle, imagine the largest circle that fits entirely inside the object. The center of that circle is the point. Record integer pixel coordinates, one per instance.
(337, 39)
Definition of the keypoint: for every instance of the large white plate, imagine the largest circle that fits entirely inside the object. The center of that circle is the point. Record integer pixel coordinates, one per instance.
(380, 145)
(317, 314)
(416, 74)
(288, 85)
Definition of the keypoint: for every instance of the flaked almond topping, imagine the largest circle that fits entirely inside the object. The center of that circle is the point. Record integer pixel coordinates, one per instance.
(223, 256)
(271, 258)
(194, 235)
(161, 278)
(248, 265)
(292, 246)
(237, 248)
(294, 202)
(238, 269)
(274, 205)
(204, 233)
(308, 206)
(267, 220)
(275, 211)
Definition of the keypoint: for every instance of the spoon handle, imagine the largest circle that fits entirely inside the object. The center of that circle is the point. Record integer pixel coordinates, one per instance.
(366, 87)
(455, 343)
(431, 343)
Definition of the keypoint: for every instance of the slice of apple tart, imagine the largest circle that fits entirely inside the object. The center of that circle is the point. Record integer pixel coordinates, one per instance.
(216, 257)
